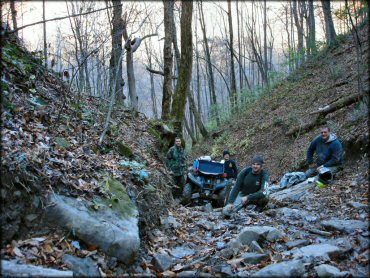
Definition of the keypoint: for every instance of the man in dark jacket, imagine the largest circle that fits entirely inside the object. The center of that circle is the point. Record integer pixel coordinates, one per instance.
(230, 167)
(250, 188)
(329, 152)
(176, 163)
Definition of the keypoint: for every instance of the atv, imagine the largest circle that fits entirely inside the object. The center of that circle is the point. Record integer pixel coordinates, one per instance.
(206, 181)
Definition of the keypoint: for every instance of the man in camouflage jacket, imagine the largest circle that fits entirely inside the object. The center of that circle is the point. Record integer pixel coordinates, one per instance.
(176, 162)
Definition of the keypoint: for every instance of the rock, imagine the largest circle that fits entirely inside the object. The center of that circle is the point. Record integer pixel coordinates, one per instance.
(205, 225)
(256, 247)
(297, 243)
(358, 206)
(343, 243)
(253, 258)
(283, 269)
(114, 230)
(12, 269)
(162, 262)
(226, 270)
(295, 214)
(235, 243)
(84, 267)
(222, 269)
(243, 273)
(170, 222)
(30, 218)
(227, 253)
(36, 202)
(112, 262)
(326, 270)
(205, 274)
(220, 245)
(294, 193)
(259, 233)
(348, 226)
(322, 250)
(124, 150)
(180, 252)
(188, 273)
(17, 194)
(208, 208)
(363, 242)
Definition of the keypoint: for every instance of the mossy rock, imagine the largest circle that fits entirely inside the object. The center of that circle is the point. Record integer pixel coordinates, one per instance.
(120, 202)
(62, 142)
(124, 150)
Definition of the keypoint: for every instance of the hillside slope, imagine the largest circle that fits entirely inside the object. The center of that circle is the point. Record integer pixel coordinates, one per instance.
(262, 128)
(50, 145)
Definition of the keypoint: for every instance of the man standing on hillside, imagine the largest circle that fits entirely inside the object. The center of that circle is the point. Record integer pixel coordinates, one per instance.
(250, 188)
(176, 163)
(230, 167)
(329, 153)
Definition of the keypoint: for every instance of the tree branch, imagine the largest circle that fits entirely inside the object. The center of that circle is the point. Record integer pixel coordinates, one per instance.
(158, 72)
(57, 18)
(150, 35)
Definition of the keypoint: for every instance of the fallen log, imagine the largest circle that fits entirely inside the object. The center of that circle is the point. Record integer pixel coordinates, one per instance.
(346, 101)
(343, 102)
(303, 128)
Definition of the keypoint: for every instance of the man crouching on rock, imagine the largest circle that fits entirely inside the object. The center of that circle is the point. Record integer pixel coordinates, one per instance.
(250, 188)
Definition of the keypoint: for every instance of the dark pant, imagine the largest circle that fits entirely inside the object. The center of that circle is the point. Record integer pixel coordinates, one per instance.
(179, 182)
(261, 203)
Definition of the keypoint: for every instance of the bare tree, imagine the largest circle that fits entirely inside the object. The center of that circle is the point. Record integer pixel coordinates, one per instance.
(233, 96)
(331, 37)
(298, 20)
(148, 47)
(14, 15)
(115, 63)
(44, 29)
(168, 59)
(182, 86)
(211, 81)
(312, 31)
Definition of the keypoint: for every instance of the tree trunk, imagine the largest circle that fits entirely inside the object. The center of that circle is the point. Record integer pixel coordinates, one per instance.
(299, 26)
(168, 59)
(152, 89)
(265, 43)
(331, 37)
(211, 81)
(182, 86)
(44, 29)
(197, 116)
(14, 16)
(233, 96)
(130, 69)
(312, 30)
(239, 46)
(115, 64)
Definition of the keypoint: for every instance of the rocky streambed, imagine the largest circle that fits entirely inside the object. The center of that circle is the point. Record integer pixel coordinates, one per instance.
(305, 231)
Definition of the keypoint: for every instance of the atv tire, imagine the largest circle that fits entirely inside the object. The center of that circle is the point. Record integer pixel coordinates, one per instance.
(186, 194)
(224, 195)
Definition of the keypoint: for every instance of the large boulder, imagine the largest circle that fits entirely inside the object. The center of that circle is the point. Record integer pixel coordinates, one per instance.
(84, 267)
(347, 226)
(292, 194)
(293, 268)
(13, 269)
(323, 250)
(327, 270)
(110, 224)
(259, 233)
